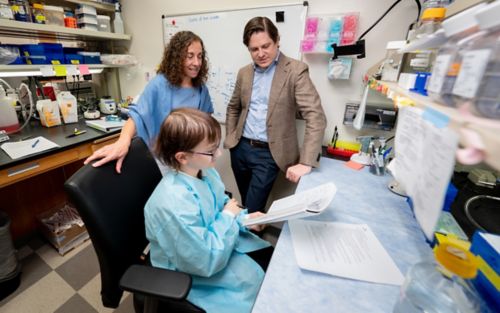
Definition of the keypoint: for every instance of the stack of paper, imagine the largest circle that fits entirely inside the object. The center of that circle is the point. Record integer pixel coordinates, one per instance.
(306, 203)
(24, 148)
(345, 250)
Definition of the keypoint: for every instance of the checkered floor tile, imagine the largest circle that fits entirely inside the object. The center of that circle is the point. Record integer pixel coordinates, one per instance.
(61, 284)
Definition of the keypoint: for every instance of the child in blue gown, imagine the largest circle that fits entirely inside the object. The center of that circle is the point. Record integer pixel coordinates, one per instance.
(191, 223)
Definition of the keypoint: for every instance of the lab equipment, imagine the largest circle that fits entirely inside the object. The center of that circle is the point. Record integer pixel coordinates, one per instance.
(103, 23)
(441, 286)
(107, 105)
(460, 29)
(392, 62)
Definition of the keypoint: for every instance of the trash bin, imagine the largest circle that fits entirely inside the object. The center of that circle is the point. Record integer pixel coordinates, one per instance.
(10, 269)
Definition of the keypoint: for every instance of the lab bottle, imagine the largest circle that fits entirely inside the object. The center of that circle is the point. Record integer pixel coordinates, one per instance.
(460, 29)
(477, 84)
(8, 115)
(440, 286)
(430, 22)
(118, 22)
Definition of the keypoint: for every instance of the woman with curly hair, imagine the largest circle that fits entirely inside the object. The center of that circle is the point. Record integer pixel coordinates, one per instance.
(180, 82)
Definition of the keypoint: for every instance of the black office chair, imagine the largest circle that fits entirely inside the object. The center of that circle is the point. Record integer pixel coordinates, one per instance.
(112, 208)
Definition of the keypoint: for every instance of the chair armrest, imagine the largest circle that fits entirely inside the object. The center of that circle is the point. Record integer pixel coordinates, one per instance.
(156, 282)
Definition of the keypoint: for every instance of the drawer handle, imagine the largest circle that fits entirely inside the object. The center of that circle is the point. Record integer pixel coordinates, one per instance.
(27, 167)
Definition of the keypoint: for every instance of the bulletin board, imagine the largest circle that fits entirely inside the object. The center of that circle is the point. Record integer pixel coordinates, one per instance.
(222, 34)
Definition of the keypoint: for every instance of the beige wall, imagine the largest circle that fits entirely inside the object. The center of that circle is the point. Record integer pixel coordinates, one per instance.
(142, 20)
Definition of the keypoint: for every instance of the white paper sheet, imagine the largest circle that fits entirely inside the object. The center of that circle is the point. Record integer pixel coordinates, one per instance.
(309, 202)
(425, 157)
(24, 148)
(345, 250)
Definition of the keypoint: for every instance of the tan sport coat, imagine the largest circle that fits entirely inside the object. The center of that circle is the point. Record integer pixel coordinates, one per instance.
(292, 93)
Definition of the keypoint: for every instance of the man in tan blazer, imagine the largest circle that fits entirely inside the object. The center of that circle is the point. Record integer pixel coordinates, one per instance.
(260, 119)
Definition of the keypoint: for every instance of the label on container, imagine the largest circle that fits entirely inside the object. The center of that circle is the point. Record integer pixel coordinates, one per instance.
(439, 73)
(471, 72)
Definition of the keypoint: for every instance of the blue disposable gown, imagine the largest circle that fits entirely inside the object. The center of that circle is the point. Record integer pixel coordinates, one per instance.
(188, 232)
(155, 104)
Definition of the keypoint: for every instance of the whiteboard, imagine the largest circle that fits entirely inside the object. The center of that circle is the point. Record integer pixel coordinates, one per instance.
(222, 34)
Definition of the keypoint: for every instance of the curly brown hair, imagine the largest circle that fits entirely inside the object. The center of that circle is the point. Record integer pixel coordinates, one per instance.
(174, 55)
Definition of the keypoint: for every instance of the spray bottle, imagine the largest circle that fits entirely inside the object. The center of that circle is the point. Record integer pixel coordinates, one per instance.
(118, 22)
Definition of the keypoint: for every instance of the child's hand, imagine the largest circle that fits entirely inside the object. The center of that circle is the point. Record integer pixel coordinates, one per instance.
(259, 227)
(233, 207)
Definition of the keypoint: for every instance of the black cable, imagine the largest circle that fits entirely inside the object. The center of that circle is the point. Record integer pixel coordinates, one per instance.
(385, 13)
(379, 19)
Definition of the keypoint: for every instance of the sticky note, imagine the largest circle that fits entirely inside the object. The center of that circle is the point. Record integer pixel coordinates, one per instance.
(72, 70)
(354, 165)
(60, 70)
(47, 70)
(84, 69)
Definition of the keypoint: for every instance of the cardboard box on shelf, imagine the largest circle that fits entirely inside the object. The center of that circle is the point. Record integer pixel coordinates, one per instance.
(63, 228)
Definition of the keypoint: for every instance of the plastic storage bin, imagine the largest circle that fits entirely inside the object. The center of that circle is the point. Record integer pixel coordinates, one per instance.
(38, 13)
(460, 29)
(91, 57)
(5, 10)
(21, 10)
(104, 23)
(54, 15)
(477, 84)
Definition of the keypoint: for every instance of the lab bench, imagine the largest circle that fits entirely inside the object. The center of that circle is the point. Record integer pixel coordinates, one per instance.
(33, 184)
(362, 198)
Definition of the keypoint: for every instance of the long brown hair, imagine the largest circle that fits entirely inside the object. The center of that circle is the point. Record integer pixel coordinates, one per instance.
(172, 64)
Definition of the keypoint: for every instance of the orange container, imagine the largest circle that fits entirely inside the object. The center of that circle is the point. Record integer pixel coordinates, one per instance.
(70, 22)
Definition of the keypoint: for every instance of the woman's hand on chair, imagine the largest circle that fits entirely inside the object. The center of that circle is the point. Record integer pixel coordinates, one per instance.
(115, 151)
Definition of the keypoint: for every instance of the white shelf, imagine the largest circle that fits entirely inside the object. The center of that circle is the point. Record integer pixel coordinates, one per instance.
(23, 70)
(16, 28)
(487, 129)
(99, 6)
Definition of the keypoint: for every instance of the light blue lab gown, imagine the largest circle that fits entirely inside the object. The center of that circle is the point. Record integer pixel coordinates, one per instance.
(155, 104)
(188, 232)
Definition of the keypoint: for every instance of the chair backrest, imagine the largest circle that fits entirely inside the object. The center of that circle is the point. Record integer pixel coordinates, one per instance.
(112, 208)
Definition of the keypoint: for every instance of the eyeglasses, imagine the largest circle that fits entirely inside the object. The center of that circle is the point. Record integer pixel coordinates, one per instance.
(211, 154)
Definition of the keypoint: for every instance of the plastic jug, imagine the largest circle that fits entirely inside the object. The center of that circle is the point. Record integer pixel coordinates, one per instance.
(439, 287)
(49, 112)
(8, 116)
(68, 106)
